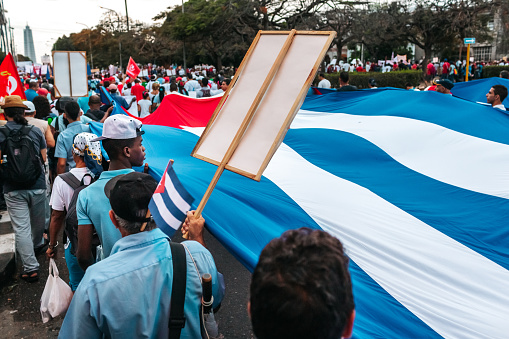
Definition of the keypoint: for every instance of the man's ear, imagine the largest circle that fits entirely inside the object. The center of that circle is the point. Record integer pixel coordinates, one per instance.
(113, 219)
(126, 152)
(249, 309)
(65, 116)
(347, 331)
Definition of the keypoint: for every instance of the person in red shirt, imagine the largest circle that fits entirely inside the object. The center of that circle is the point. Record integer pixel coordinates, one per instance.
(137, 90)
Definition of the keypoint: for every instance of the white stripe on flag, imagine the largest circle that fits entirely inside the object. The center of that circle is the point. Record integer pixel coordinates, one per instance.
(455, 290)
(179, 202)
(165, 213)
(448, 156)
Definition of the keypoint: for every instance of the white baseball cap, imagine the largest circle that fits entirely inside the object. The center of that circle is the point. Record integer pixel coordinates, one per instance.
(120, 126)
(30, 105)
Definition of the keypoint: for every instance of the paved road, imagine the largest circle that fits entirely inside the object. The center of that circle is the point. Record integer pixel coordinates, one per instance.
(20, 301)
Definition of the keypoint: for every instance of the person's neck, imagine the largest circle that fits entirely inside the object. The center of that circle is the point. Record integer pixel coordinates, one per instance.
(119, 164)
(496, 103)
(73, 121)
(29, 116)
(341, 84)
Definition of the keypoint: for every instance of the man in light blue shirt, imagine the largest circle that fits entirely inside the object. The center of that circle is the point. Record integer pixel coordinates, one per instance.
(122, 141)
(128, 294)
(63, 148)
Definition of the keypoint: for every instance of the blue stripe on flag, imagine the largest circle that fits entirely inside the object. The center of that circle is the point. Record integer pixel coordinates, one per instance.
(445, 207)
(158, 219)
(172, 208)
(178, 186)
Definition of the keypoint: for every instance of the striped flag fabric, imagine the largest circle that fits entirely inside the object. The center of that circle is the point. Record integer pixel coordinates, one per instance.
(414, 184)
(170, 202)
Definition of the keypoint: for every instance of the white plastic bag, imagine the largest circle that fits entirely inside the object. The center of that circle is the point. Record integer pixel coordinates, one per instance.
(57, 295)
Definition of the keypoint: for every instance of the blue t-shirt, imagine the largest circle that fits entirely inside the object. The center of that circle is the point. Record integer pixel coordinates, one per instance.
(30, 94)
(120, 100)
(63, 148)
(128, 294)
(93, 207)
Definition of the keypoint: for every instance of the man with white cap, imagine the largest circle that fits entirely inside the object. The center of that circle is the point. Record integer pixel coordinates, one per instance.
(122, 141)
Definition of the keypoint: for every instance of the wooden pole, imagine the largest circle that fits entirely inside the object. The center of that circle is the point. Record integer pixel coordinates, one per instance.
(245, 122)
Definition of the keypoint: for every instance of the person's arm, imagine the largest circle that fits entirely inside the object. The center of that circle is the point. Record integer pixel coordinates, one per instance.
(84, 252)
(132, 101)
(62, 162)
(139, 108)
(50, 140)
(107, 114)
(79, 321)
(57, 220)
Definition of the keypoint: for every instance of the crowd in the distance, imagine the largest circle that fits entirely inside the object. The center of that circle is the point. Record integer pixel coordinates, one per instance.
(123, 269)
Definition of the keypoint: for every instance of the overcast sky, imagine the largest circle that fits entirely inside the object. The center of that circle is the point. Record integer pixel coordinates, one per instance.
(50, 19)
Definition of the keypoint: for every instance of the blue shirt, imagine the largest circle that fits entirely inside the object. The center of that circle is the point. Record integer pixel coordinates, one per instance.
(120, 100)
(128, 294)
(30, 94)
(93, 207)
(61, 124)
(63, 148)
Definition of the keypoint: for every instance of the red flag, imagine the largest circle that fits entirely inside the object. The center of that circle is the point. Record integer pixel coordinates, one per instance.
(9, 79)
(132, 69)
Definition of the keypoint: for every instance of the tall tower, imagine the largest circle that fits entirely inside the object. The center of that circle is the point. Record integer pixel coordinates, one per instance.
(29, 43)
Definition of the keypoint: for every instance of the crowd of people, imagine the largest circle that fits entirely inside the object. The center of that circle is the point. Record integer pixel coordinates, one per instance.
(494, 97)
(454, 70)
(54, 179)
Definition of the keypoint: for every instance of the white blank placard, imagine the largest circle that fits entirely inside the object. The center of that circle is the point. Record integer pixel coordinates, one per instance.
(70, 73)
(241, 97)
(277, 108)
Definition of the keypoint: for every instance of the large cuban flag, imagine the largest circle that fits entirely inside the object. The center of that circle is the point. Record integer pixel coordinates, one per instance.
(416, 186)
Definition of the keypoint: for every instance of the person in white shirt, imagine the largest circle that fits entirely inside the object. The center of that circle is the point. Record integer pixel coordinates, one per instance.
(496, 95)
(324, 83)
(144, 105)
(192, 85)
(62, 194)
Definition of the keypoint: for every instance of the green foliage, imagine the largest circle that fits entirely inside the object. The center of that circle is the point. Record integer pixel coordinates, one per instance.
(396, 79)
(493, 71)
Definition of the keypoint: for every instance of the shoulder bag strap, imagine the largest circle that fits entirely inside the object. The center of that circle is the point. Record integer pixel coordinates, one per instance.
(178, 291)
(70, 180)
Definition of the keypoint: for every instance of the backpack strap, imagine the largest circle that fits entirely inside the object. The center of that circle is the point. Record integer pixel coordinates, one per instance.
(70, 180)
(178, 291)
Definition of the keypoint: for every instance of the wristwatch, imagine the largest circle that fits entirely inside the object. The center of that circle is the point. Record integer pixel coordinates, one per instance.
(52, 246)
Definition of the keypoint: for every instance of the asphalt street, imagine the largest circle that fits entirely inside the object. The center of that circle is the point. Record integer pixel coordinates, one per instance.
(20, 301)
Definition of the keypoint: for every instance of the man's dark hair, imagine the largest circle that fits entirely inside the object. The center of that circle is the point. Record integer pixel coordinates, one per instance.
(204, 82)
(227, 81)
(115, 147)
(72, 110)
(504, 74)
(94, 99)
(321, 75)
(301, 287)
(409, 84)
(42, 107)
(33, 84)
(500, 90)
(17, 114)
(137, 81)
(344, 77)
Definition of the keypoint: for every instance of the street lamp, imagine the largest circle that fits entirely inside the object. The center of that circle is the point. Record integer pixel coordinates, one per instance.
(89, 44)
(119, 43)
(185, 68)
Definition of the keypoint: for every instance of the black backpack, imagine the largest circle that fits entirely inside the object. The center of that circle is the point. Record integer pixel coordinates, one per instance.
(71, 217)
(21, 162)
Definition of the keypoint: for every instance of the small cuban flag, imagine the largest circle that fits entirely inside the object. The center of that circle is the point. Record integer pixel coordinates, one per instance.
(170, 202)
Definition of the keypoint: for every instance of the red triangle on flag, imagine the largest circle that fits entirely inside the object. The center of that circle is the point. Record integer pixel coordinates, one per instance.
(10, 83)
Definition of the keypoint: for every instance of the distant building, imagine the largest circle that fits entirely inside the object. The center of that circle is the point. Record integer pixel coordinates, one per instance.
(29, 43)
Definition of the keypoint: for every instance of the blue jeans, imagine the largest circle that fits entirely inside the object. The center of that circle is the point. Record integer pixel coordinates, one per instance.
(27, 209)
(75, 271)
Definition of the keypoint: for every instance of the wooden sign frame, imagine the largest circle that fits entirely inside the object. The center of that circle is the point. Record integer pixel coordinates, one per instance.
(250, 116)
(70, 79)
